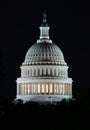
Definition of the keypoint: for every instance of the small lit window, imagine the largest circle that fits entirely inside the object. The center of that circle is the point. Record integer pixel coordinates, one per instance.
(25, 88)
(46, 88)
(38, 88)
(61, 88)
(55, 88)
(34, 88)
(51, 88)
(42, 88)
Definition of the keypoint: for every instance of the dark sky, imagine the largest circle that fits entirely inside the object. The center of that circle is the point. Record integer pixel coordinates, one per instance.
(19, 29)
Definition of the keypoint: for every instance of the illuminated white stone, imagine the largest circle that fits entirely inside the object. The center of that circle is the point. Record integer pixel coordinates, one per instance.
(44, 72)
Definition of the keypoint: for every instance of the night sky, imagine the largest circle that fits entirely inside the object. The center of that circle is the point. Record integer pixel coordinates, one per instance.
(19, 29)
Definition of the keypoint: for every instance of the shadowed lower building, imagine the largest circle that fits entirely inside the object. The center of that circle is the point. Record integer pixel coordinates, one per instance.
(44, 72)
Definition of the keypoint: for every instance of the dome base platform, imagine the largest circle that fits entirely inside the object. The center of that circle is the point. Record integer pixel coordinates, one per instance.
(43, 98)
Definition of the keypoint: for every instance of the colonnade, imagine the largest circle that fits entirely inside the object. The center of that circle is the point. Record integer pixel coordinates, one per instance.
(44, 88)
(44, 71)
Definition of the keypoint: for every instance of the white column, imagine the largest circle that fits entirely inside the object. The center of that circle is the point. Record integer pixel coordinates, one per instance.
(28, 89)
(48, 71)
(55, 88)
(49, 88)
(67, 88)
(71, 89)
(36, 88)
(17, 89)
(36, 72)
(32, 88)
(25, 89)
(53, 72)
(44, 71)
(44, 88)
(40, 71)
(33, 72)
(59, 88)
(40, 88)
(63, 88)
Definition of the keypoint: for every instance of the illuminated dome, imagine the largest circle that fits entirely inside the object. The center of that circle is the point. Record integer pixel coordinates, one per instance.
(44, 72)
(44, 53)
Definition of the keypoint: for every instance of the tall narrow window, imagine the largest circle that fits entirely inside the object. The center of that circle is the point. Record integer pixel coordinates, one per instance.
(31, 72)
(34, 88)
(61, 89)
(54, 72)
(42, 88)
(47, 89)
(25, 88)
(38, 88)
(46, 71)
(35, 72)
(38, 72)
(42, 71)
(50, 71)
(28, 88)
(55, 88)
(51, 88)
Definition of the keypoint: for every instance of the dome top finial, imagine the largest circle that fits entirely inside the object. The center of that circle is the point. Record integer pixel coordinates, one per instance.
(44, 21)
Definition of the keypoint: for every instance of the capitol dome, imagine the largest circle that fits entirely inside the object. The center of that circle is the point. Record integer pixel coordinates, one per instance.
(44, 53)
(44, 72)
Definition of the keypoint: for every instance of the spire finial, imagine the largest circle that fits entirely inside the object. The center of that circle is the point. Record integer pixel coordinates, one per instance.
(44, 30)
(44, 21)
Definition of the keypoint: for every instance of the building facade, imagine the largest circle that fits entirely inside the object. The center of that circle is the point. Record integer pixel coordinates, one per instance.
(44, 72)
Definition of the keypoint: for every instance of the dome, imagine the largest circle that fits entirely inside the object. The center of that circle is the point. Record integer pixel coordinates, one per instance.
(44, 53)
(44, 72)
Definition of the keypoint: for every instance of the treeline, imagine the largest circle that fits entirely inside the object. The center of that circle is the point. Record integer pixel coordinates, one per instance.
(71, 114)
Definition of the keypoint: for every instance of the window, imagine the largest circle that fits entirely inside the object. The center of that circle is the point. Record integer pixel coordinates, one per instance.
(42, 72)
(39, 72)
(54, 72)
(46, 88)
(34, 72)
(46, 71)
(51, 88)
(55, 88)
(38, 88)
(34, 88)
(61, 89)
(42, 88)
(28, 88)
(31, 72)
(25, 88)
(50, 71)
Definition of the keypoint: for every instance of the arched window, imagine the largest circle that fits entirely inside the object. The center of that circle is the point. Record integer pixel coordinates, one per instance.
(54, 72)
(58, 72)
(34, 72)
(31, 72)
(28, 71)
(42, 71)
(50, 71)
(46, 71)
(38, 71)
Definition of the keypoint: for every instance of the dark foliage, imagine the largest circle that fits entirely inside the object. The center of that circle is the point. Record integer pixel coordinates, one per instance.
(71, 114)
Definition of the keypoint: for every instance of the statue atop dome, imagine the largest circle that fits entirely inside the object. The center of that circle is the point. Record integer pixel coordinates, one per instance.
(44, 21)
